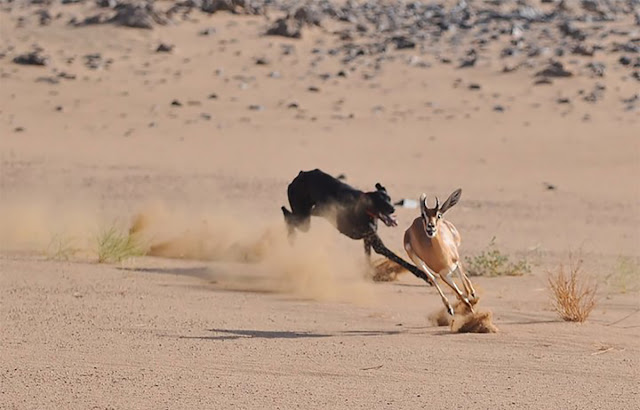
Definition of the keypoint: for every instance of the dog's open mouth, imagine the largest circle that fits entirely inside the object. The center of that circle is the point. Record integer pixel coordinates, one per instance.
(388, 220)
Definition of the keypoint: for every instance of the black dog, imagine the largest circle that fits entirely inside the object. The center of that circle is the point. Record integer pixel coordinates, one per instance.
(353, 212)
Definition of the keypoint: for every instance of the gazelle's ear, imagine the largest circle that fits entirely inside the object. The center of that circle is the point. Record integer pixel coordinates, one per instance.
(423, 205)
(379, 187)
(451, 201)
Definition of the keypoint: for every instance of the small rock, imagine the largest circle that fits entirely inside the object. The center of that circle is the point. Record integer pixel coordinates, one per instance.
(498, 108)
(49, 80)
(107, 4)
(554, 69)
(308, 15)
(164, 48)
(549, 187)
(262, 61)
(563, 101)
(213, 96)
(285, 27)
(256, 107)
(596, 94)
(18, 129)
(136, 15)
(624, 60)
(176, 103)
(474, 86)
(597, 69)
(568, 29)
(44, 17)
(293, 105)
(469, 60)
(313, 89)
(402, 42)
(67, 76)
(543, 81)
(209, 31)
(32, 58)
(583, 51)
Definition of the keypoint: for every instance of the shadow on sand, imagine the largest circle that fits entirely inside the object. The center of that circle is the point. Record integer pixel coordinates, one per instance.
(231, 334)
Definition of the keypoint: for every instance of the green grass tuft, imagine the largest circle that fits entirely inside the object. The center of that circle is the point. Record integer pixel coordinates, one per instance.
(60, 248)
(117, 246)
(492, 262)
(625, 276)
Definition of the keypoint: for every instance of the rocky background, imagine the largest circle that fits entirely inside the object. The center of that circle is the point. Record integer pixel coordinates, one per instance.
(552, 42)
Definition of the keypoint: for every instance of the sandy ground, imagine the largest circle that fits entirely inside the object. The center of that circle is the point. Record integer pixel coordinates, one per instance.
(303, 330)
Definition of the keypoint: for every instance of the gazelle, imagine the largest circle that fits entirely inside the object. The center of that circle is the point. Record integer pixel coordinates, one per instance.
(432, 244)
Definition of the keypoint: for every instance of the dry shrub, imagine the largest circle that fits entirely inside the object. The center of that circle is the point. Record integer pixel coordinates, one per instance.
(386, 270)
(572, 296)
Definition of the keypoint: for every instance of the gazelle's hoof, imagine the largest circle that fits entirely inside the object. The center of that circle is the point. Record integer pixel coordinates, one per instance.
(450, 310)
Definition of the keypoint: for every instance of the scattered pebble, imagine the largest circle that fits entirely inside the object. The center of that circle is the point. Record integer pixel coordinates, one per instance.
(32, 58)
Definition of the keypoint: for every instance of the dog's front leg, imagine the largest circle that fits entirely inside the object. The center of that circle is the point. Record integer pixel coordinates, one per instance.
(375, 241)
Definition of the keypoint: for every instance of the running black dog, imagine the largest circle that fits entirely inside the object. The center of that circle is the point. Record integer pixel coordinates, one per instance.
(353, 212)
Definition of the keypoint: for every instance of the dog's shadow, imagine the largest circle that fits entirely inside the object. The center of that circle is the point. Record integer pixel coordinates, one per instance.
(196, 272)
(232, 334)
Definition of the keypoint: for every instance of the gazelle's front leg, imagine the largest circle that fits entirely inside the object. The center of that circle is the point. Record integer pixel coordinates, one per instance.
(419, 262)
(446, 277)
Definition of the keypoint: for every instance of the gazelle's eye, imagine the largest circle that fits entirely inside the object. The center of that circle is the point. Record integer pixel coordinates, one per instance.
(439, 216)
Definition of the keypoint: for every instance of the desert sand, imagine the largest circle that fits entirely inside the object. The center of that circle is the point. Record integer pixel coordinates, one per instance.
(205, 138)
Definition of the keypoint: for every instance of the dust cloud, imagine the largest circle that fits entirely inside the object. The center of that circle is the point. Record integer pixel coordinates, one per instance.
(254, 254)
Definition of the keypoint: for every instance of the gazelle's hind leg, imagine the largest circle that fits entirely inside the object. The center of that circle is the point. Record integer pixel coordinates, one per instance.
(466, 282)
(446, 277)
(420, 263)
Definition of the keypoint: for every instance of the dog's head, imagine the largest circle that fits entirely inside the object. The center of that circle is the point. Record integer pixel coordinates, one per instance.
(380, 205)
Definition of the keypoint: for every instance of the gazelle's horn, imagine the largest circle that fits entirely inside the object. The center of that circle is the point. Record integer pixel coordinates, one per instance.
(423, 204)
(437, 203)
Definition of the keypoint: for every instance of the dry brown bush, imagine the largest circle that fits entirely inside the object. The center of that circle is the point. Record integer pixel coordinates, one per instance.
(573, 296)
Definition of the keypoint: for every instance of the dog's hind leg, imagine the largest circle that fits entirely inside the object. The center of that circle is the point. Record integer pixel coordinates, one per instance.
(301, 205)
(289, 219)
(367, 249)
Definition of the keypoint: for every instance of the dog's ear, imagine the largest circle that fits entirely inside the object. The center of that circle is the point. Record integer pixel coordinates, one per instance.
(379, 187)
